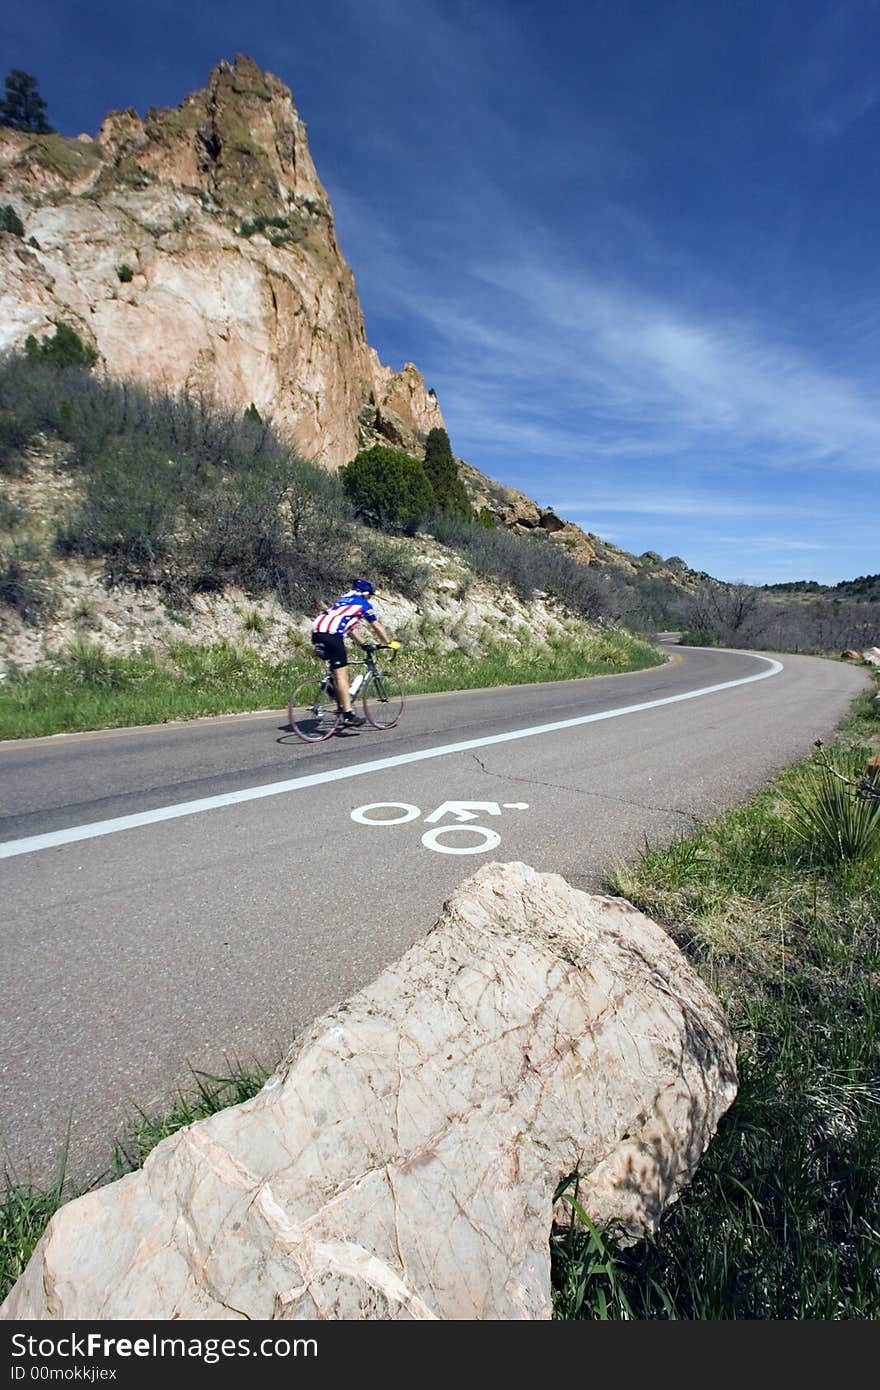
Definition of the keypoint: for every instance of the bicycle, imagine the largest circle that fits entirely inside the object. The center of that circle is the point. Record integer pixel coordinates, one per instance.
(314, 715)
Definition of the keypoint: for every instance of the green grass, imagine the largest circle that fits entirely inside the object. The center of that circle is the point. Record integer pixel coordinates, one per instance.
(64, 156)
(781, 915)
(24, 1214)
(92, 689)
(25, 1210)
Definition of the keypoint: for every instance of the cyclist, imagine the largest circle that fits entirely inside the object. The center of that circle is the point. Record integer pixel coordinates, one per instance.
(328, 631)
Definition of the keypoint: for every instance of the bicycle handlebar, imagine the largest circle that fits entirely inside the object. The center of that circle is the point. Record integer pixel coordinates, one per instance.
(370, 647)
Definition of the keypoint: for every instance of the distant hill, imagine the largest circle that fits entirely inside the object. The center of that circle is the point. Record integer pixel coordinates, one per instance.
(866, 587)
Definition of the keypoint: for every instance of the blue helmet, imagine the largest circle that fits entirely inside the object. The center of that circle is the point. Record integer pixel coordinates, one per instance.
(362, 586)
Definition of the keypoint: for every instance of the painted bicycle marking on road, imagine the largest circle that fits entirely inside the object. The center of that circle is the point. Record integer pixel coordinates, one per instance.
(463, 813)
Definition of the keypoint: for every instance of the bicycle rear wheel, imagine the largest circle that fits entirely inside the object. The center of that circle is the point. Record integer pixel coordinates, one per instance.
(383, 700)
(312, 713)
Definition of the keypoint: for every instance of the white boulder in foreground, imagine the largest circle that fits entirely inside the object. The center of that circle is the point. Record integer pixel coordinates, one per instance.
(402, 1162)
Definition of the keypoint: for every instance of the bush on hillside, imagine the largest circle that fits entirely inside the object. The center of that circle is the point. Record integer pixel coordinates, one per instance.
(10, 220)
(13, 438)
(130, 509)
(388, 488)
(64, 349)
(390, 564)
(24, 581)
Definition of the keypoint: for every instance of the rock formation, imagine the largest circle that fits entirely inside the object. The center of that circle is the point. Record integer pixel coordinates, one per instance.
(402, 1162)
(197, 249)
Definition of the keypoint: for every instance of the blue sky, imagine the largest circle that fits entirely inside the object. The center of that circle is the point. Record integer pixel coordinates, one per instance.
(632, 244)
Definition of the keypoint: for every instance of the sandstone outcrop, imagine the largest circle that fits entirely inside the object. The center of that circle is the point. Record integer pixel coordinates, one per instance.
(402, 1162)
(197, 248)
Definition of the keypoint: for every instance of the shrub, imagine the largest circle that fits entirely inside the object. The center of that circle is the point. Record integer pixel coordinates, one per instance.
(64, 349)
(129, 511)
(85, 611)
(10, 220)
(254, 621)
(390, 563)
(11, 515)
(259, 224)
(24, 581)
(13, 437)
(125, 273)
(388, 488)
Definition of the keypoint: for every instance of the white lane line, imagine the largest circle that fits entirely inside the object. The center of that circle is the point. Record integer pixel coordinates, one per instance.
(31, 843)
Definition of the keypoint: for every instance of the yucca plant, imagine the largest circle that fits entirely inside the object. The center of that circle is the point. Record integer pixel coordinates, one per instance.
(833, 811)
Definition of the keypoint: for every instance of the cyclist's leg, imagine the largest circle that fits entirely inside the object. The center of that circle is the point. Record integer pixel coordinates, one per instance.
(331, 648)
(338, 658)
(343, 699)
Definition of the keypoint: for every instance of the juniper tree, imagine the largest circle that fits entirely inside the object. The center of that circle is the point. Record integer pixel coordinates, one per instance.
(389, 489)
(442, 471)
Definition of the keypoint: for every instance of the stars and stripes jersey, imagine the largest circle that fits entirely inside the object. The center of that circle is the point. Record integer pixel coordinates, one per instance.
(345, 614)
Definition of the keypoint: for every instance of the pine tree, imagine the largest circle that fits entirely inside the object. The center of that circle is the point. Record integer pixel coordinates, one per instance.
(442, 470)
(23, 108)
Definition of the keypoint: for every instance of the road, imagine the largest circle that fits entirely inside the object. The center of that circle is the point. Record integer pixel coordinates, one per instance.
(139, 942)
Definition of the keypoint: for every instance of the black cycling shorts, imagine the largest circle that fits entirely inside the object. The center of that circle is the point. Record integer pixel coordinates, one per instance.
(331, 647)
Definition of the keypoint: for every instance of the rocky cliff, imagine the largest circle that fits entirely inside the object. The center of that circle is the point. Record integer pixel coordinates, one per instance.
(197, 249)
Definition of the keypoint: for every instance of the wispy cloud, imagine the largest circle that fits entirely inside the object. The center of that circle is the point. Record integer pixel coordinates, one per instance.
(824, 84)
(775, 543)
(543, 354)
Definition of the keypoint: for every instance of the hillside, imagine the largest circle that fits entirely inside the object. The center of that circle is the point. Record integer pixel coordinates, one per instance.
(135, 521)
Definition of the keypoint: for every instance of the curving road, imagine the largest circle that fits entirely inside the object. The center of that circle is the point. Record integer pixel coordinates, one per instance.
(176, 895)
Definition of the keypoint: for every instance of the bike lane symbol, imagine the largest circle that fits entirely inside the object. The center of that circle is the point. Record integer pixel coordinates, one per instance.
(462, 813)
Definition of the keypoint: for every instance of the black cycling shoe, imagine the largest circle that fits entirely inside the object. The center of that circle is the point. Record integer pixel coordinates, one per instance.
(353, 721)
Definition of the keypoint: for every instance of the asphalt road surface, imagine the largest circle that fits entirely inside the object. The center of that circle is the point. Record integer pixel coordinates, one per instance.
(179, 895)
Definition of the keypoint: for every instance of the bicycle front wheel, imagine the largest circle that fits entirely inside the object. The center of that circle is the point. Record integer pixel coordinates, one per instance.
(383, 701)
(312, 713)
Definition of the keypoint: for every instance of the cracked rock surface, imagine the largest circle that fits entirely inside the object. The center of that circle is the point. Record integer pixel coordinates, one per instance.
(402, 1161)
